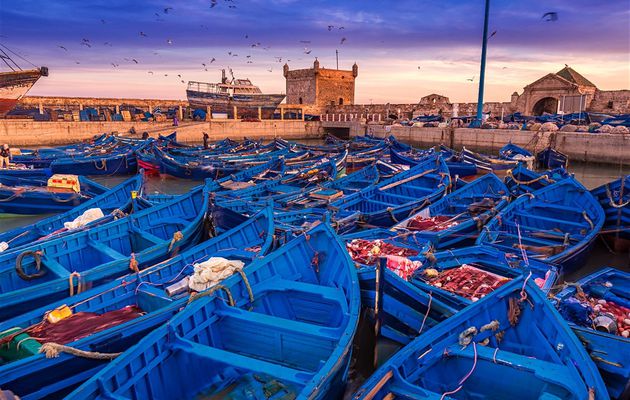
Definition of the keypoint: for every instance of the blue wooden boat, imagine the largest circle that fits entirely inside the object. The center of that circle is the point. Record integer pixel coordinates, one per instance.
(551, 158)
(601, 334)
(614, 197)
(399, 197)
(133, 305)
(456, 166)
(462, 276)
(487, 163)
(286, 330)
(399, 309)
(512, 344)
(112, 203)
(118, 163)
(47, 271)
(38, 199)
(24, 176)
(516, 153)
(522, 180)
(460, 215)
(557, 224)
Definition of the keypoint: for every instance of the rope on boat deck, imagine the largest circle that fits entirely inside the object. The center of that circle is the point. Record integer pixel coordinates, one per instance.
(177, 236)
(612, 202)
(520, 182)
(102, 166)
(248, 286)
(52, 350)
(590, 222)
(390, 211)
(211, 291)
(461, 382)
(17, 192)
(79, 283)
(315, 259)
(427, 313)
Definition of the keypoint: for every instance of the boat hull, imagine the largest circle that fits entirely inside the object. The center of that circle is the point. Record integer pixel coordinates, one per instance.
(223, 103)
(13, 86)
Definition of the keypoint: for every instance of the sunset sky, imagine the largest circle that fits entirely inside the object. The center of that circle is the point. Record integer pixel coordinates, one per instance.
(405, 49)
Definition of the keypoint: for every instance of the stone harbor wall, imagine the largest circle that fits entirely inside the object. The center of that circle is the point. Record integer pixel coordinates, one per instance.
(25, 133)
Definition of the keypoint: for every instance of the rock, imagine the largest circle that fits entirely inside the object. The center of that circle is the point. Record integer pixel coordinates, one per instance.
(549, 127)
(620, 129)
(605, 129)
(534, 127)
(569, 128)
(582, 129)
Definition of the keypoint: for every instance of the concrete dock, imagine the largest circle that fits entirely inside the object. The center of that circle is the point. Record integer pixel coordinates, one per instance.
(613, 149)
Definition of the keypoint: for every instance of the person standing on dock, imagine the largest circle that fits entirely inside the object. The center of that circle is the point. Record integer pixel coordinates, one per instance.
(5, 156)
(175, 121)
(205, 140)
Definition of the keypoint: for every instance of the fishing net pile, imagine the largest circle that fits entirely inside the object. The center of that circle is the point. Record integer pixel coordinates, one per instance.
(368, 252)
(437, 223)
(466, 281)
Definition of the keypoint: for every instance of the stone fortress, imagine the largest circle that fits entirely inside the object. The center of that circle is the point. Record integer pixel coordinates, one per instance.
(323, 91)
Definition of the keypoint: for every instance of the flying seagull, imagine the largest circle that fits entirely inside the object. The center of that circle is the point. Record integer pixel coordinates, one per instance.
(213, 60)
(471, 79)
(213, 3)
(343, 39)
(330, 27)
(169, 41)
(167, 9)
(550, 16)
(61, 47)
(492, 34)
(143, 34)
(134, 60)
(150, 72)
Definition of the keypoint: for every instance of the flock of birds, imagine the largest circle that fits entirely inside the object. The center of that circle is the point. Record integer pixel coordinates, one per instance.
(166, 11)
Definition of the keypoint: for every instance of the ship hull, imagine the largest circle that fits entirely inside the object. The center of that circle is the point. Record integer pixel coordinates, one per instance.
(223, 103)
(13, 86)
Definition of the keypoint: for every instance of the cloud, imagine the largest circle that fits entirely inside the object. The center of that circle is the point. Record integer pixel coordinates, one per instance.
(388, 40)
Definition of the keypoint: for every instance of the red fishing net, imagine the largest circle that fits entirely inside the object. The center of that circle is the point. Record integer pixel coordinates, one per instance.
(368, 251)
(437, 223)
(81, 324)
(466, 281)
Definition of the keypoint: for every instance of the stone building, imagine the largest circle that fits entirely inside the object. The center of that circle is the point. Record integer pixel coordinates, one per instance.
(320, 87)
(565, 91)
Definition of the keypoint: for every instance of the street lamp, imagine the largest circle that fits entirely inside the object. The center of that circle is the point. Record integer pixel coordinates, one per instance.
(476, 123)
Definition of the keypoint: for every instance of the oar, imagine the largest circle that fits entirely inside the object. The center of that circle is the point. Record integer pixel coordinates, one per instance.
(411, 178)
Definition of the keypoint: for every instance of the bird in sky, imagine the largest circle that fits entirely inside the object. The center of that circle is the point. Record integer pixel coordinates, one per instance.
(330, 27)
(278, 59)
(107, 44)
(134, 60)
(213, 3)
(114, 65)
(213, 60)
(306, 51)
(169, 41)
(143, 34)
(250, 62)
(341, 27)
(102, 21)
(418, 67)
(179, 75)
(471, 79)
(63, 48)
(246, 36)
(76, 62)
(86, 44)
(204, 64)
(150, 72)
(167, 9)
(270, 70)
(84, 40)
(550, 16)
(231, 6)
(492, 34)
(343, 39)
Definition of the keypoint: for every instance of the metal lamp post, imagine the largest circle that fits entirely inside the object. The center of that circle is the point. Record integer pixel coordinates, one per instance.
(476, 123)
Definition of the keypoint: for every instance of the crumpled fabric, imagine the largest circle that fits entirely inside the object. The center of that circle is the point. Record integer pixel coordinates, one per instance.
(213, 271)
(88, 216)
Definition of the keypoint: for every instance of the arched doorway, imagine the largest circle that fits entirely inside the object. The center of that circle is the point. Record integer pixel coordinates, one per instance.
(545, 105)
